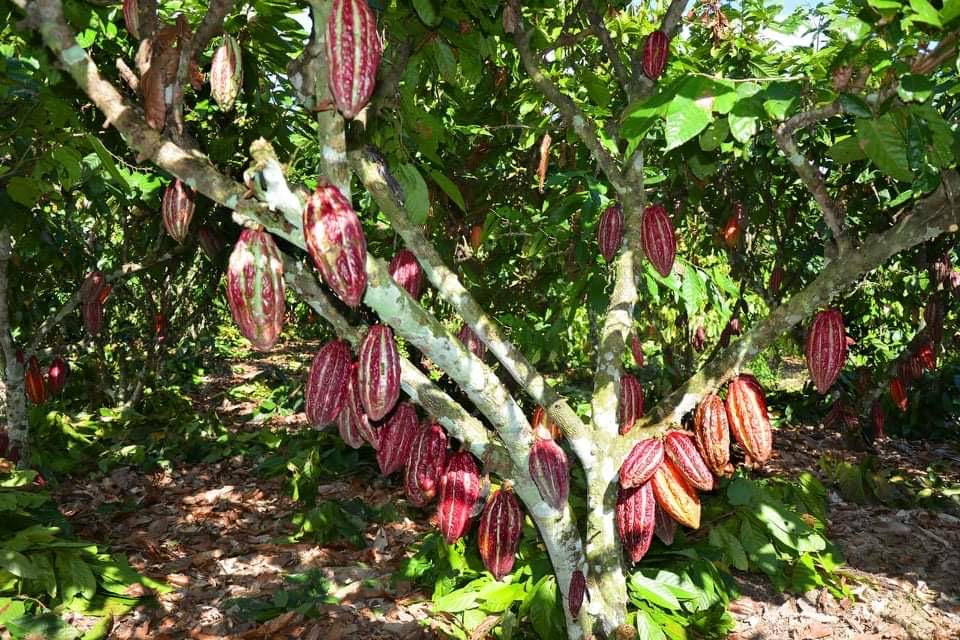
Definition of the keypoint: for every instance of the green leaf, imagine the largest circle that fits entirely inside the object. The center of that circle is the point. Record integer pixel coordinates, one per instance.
(741, 491)
(17, 564)
(693, 291)
(883, 143)
(449, 188)
(546, 615)
(416, 195)
(647, 629)
(76, 578)
(459, 600)
(498, 596)
(925, 12)
(759, 549)
(788, 528)
(940, 151)
(685, 119)
(950, 11)
(915, 88)
(445, 61)
(723, 539)
(855, 105)
(25, 191)
(652, 591)
(846, 150)
(780, 99)
(744, 119)
(427, 12)
(713, 135)
(850, 27)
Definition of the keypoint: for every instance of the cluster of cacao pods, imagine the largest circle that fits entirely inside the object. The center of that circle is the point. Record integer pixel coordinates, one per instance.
(93, 295)
(336, 242)
(353, 55)
(659, 479)
(38, 386)
(256, 289)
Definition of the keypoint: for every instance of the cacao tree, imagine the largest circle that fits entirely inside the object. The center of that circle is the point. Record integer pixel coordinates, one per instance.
(697, 194)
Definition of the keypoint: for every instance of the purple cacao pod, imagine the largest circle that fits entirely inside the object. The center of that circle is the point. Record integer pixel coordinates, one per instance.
(610, 231)
(656, 47)
(57, 375)
(326, 389)
(499, 533)
(826, 349)
(210, 242)
(641, 463)
(406, 271)
(178, 207)
(578, 589)
(353, 55)
(92, 317)
(396, 438)
(255, 288)
(459, 491)
(226, 73)
(335, 241)
(428, 457)
(658, 239)
(352, 422)
(471, 341)
(378, 372)
(682, 450)
(547, 464)
(631, 402)
(635, 519)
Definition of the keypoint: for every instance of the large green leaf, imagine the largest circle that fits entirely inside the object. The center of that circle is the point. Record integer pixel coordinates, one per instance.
(652, 591)
(881, 140)
(415, 193)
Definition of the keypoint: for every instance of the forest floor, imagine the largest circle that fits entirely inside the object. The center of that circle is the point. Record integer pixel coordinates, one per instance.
(212, 530)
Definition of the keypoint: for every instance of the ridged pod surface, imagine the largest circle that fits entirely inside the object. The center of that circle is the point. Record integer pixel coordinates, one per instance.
(210, 242)
(499, 532)
(352, 422)
(91, 286)
(637, 350)
(933, 320)
(428, 457)
(104, 293)
(610, 231)
(459, 491)
(712, 433)
(177, 208)
(471, 341)
(159, 327)
(675, 495)
(92, 317)
(656, 47)
(327, 382)
(898, 393)
(776, 281)
(641, 463)
(826, 349)
(543, 425)
(576, 591)
(396, 438)
(255, 288)
(407, 273)
(353, 55)
(336, 243)
(378, 372)
(33, 382)
(131, 17)
(682, 450)
(748, 419)
(732, 230)
(665, 527)
(635, 519)
(926, 355)
(547, 464)
(57, 375)
(226, 73)
(631, 402)
(658, 239)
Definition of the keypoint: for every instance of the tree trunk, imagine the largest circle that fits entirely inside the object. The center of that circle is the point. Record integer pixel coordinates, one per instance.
(16, 401)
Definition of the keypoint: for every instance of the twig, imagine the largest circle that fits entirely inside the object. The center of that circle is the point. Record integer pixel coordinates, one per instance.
(619, 70)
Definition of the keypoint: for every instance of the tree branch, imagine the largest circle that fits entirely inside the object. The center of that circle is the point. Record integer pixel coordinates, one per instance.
(629, 84)
(669, 25)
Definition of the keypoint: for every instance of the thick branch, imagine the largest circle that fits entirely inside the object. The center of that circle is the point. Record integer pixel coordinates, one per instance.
(211, 26)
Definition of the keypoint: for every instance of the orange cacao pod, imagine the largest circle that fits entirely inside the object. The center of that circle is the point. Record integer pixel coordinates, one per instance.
(675, 495)
(255, 288)
(396, 438)
(656, 47)
(335, 241)
(428, 456)
(657, 239)
(610, 231)
(378, 372)
(353, 55)
(499, 533)
(748, 419)
(33, 382)
(642, 462)
(326, 388)
(826, 349)
(681, 449)
(635, 519)
(459, 491)
(631, 402)
(713, 434)
(547, 465)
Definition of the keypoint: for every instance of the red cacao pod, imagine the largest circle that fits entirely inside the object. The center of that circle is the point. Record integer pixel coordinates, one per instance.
(547, 464)
(635, 519)
(576, 591)
(748, 419)
(104, 293)
(544, 426)
(877, 418)
(255, 288)
(656, 47)
(776, 281)
(459, 491)
(336, 242)
(92, 284)
(159, 327)
(476, 237)
(826, 349)
(326, 389)
(665, 527)
(33, 382)
(699, 339)
(353, 55)
(637, 350)
(898, 393)
(712, 433)
(631, 402)
(732, 230)
(657, 239)
(226, 73)
(933, 320)
(610, 232)
(499, 533)
(675, 495)
(927, 355)
(641, 463)
(378, 372)
(407, 273)
(428, 456)
(352, 422)
(131, 17)
(210, 242)
(57, 375)
(396, 438)
(178, 207)
(471, 341)
(682, 450)
(92, 317)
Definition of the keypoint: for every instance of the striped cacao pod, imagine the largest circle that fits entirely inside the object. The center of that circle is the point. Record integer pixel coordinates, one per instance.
(877, 418)
(428, 456)
(631, 402)
(776, 281)
(898, 393)
(335, 241)
(576, 591)
(226, 73)
(658, 239)
(642, 462)
(826, 349)
(406, 272)
(933, 320)
(637, 350)
(92, 284)
(675, 495)
(33, 382)
(326, 388)
(713, 434)
(131, 17)
(352, 422)
(178, 207)
(459, 491)
(210, 242)
(255, 288)
(57, 375)
(665, 527)
(926, 355)
(471, 341)
(748, 419)
(547, 464)
(610, 231)
(396, 438)
(353, 55)
(378, 372)
(681, 449)
(635, 519)
(104, 294)
(942, 268)
(92, 317)
(656, 47)
(543, 425)
(159, 327)
(699, 339)
(499, 533)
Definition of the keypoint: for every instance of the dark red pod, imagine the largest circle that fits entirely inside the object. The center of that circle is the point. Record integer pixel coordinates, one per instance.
(637, 350)
(428, 457)
(548, 467)
(34, 383)
(898, 393)
(326, 389)
(210, 242)
(631, 402)
(699, 339)
(499, 533)
(471, 341)
(656, 47)
(459, 491)
(406, 271)
(641, 463)
(576, 591)
(396, 438)
(352, 421)
(776, 281)
(636, 519)
(92, 284)
(378, 372)
(682, 450)
(610, 231)
(665, 527)
(177, 208)
(658, 239)
(335, 242)
(57, 375)
(353, 54)
(92, 317)
(826, 349)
